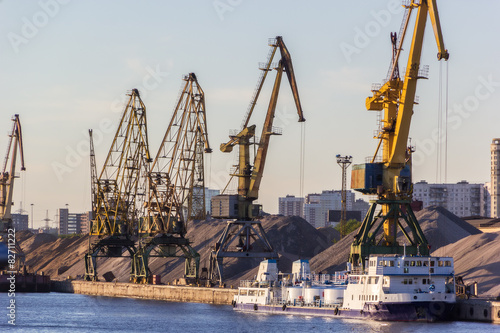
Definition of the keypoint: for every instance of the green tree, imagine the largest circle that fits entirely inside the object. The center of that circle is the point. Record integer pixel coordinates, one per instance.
(350, 226)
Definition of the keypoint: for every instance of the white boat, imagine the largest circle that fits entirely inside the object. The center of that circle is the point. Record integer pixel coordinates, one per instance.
(392, 287)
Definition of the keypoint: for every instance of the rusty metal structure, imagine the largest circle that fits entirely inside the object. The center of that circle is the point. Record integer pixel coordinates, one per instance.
(176, 186)
(118, 194)
(7, 178)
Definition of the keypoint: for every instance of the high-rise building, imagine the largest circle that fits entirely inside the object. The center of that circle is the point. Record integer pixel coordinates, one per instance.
(19, 222)
(495, 178)
(317, 206)
(361, 206)
(209, 193)
(85, 219)
(462, 199)
(73, 223)
(291, 206)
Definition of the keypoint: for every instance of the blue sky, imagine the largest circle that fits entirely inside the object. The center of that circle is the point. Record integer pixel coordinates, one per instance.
(67, 65)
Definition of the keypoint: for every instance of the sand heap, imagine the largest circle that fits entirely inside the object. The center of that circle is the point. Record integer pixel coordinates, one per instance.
(440, 227)
(292, 236)
(475, 253)
(476, 258)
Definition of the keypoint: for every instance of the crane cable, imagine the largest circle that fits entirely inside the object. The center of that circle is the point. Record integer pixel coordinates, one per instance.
(439, 124)
(442, 144)
(302, 158)
(446, 126)
(209, 170)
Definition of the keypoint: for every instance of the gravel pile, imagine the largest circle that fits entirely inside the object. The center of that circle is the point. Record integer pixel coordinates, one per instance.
(439, 226)
(476, 254)
(477, 258)
(291, 236)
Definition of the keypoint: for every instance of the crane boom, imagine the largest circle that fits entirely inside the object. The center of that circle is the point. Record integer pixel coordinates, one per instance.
(267, 131)
(93, 175)
(8, 176)
(249, 175)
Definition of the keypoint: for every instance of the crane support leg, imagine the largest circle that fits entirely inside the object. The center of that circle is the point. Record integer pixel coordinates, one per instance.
(240, 239)
(372, 237)
(110, 247)
(165, 246)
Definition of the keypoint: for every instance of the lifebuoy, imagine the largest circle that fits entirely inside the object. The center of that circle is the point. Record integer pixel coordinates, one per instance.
(283, 307)
(255, 307)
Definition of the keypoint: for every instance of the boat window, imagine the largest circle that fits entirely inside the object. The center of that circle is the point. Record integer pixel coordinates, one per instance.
(424, 281)
(251, 293)
(391, 263)
(407, 263)
(405, 281)
(386, 280)
(419, 263)
(410, 281)
(363, 280)
(432, 263)
(412, 263)
(440, 263)
(431, 270)
(376, 297)
(243, 292)
(426, 263)
(381, 263)
(406, 270)
(262, 292)
(447, 263)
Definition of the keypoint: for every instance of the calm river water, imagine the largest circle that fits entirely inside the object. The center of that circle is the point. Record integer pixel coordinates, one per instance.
(57, 312)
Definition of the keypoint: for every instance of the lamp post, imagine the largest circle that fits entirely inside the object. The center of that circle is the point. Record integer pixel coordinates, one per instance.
(344, 162)
(32, 221)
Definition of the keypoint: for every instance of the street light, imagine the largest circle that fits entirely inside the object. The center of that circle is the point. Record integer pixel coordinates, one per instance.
(344, 162)
(32, 221)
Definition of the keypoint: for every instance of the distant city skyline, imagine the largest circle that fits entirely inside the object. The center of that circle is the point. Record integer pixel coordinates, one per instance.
(67, 66)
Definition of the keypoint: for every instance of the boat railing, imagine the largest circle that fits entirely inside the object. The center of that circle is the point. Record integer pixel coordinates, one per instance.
(337, 278)
(277, 301)
(249, 283)
(357, 271)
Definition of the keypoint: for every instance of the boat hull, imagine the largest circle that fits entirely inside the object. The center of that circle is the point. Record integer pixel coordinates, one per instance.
(415, 311)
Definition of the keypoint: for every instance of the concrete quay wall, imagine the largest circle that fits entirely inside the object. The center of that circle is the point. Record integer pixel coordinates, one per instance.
(477, 309)
(159, 292)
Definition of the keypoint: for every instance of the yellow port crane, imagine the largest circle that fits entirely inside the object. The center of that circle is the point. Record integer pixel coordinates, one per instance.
(241, 238)
(176, 186)
(7, 189)
(120, 190)
(390, 179)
